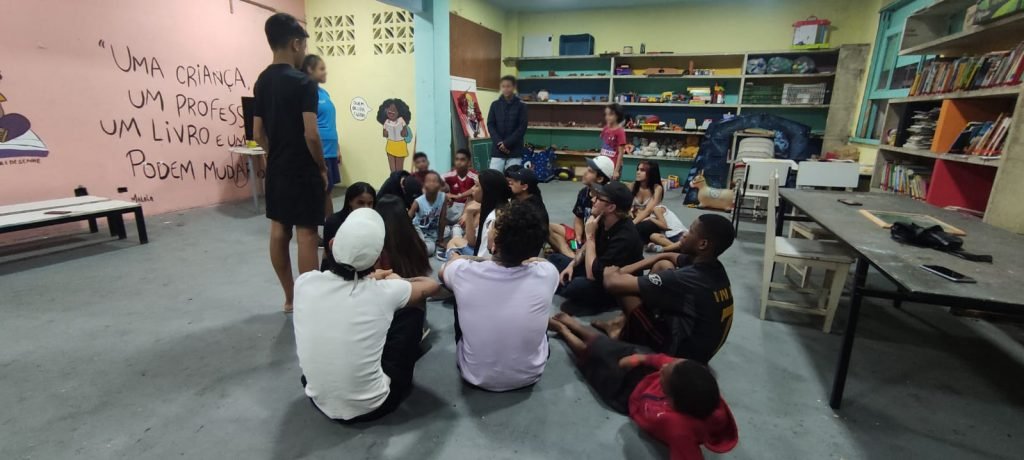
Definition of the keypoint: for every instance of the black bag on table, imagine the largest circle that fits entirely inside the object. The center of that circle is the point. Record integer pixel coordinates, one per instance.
(933, 237)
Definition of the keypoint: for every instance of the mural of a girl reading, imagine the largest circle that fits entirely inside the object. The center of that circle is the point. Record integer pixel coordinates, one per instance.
(16, 136)
(394, 115)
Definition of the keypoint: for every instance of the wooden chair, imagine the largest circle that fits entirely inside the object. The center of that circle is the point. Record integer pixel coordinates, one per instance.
(831, 257)
(820, 174)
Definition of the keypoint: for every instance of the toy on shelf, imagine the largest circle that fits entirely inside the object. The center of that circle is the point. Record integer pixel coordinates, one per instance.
(543, 95)
(710, 197)
(624, 69)
(691, 124)
(718, 94)
(811, 33)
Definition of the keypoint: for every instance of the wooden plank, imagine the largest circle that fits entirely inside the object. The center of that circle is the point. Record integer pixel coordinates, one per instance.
(998, 282)
(985, 93)
(999, 35)
(49, 204)
(40, 216)
(475, 52)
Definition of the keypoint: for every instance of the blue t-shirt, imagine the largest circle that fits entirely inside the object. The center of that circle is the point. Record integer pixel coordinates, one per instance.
(326, 121)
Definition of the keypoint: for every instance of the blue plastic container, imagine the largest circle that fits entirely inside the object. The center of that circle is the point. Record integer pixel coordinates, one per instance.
(576, 45)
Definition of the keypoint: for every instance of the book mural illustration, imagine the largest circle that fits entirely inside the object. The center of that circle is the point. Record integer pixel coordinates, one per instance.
(16, 136)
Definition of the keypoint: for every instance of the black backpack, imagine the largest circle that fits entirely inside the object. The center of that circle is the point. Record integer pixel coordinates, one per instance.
(933, 237)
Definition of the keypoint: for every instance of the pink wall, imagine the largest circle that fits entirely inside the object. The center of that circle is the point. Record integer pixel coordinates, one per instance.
(62, 64)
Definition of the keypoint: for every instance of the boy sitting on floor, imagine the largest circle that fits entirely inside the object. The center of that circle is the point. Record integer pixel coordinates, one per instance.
(567, 239)
(358, 331)
(611, 240)
(684, 307)
(429, 213)
(502, 304)
(460, 181)
(676, 401)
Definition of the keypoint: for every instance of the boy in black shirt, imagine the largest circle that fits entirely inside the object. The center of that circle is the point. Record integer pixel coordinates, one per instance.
(611, 239)
(284, 124)
(684, 307)
(599, 171)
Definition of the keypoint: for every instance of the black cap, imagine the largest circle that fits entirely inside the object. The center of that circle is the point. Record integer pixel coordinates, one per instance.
(617, 193)
(523, 175)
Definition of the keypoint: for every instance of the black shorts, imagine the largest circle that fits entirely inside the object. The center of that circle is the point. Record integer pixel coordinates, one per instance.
(601, 370)
(295, 199)
(644, 329)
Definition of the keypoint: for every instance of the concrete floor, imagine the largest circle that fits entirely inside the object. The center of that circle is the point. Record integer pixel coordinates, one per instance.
(178, 349)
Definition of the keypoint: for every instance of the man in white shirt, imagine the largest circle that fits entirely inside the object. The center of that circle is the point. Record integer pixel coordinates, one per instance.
(357, 331)
(502, 304)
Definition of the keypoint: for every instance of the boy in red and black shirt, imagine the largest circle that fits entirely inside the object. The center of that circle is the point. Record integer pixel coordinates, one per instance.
(674, 400)
(460, 182)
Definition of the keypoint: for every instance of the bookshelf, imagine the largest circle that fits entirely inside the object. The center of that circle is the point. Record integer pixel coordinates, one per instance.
(580, 86)
(986, 181)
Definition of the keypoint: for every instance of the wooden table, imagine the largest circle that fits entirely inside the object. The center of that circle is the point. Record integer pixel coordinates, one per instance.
(25, 216)
(251, 155)
(999, 287)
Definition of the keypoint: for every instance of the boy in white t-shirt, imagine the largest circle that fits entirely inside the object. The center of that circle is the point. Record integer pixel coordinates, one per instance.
(502, 304)
(357, 331)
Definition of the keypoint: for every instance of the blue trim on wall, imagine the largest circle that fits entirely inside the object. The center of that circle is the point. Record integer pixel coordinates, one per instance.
(433, 84)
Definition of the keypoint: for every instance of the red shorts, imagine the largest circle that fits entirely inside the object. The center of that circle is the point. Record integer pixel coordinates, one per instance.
(570, 232)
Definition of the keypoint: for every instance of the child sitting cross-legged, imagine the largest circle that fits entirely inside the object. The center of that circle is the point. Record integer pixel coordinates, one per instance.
(676, 401)
(357, 330)
(670, 237)
(502, 304)
(429, 213)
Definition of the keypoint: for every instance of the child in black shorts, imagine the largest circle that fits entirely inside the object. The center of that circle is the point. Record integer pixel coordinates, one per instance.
(676, 401)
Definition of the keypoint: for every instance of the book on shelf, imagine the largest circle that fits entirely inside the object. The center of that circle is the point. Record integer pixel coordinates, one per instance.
(983, 138)
(906, 179)
(944, 75)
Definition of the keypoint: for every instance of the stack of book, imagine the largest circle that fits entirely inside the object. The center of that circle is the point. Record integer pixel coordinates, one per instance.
(983, 138)
(922, 131)
(902, 179)
(1001, 68)
(699, 94)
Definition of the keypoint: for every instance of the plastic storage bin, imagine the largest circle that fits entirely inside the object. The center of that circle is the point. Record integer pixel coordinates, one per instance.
(813, 94)
(576, 45)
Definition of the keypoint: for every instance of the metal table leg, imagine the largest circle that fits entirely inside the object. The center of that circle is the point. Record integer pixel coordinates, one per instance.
(140, 225)
(253, 180)
(839, 381)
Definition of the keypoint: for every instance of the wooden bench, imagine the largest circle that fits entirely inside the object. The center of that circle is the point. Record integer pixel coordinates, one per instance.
(37, 214)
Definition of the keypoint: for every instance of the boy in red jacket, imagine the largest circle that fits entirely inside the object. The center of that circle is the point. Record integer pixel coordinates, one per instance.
(674, 400)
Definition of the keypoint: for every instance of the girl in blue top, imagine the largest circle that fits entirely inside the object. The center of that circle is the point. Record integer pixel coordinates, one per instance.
(326, 121)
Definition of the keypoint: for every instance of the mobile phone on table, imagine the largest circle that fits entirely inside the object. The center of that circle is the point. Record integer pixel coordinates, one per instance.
(948, 274)
(850, 202)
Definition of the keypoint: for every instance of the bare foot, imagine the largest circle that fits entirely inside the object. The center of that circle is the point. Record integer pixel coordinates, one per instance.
(562, 317)
(612, 327)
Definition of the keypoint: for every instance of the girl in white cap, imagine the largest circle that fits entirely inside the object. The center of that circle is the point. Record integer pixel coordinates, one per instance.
(358, 330)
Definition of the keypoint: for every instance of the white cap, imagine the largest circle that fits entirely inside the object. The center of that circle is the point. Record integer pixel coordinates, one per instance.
(359, 240)
(602, 164)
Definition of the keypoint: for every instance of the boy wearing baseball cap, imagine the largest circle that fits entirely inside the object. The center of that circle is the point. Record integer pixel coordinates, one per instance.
(357, 331)
(567, 239)
(611, 239)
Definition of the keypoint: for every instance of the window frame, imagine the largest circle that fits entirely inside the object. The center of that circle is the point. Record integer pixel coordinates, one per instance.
(892, 20)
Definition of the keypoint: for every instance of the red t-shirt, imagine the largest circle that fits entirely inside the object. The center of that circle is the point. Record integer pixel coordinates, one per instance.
(611, 140)
(652, 411)
(457, 185)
